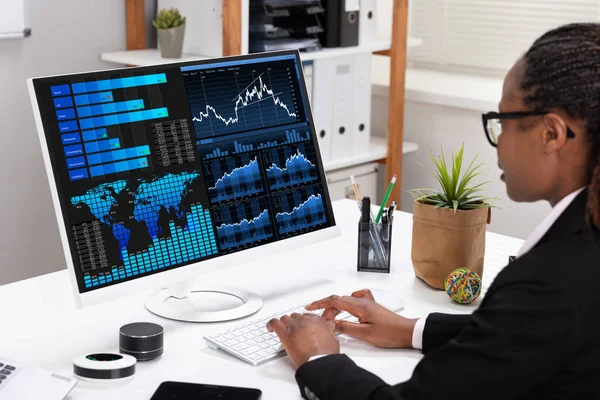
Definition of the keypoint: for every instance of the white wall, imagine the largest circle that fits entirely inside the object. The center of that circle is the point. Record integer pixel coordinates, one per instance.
(432, 126)
(67, 36)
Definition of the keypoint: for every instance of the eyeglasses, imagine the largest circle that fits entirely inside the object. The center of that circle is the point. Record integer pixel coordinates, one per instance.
(492, 124)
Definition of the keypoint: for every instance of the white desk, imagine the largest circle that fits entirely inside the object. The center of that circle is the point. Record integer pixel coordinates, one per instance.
(40, 325)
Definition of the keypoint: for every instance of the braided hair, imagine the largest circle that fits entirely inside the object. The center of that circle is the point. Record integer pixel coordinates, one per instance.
(563, 71)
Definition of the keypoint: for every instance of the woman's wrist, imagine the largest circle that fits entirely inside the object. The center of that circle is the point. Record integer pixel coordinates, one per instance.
(405, 332)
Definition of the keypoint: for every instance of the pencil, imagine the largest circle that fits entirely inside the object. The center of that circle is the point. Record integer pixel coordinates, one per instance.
(385, 198)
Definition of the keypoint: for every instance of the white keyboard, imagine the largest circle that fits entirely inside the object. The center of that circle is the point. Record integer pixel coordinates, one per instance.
(252, 342)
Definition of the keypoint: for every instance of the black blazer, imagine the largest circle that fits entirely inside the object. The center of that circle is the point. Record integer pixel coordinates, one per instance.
(536, 334)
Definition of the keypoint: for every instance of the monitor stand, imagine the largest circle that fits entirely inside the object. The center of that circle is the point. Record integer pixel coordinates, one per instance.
(213, 303)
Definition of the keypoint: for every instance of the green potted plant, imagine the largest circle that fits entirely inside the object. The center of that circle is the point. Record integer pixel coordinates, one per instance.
(170, 26)
(449, 224)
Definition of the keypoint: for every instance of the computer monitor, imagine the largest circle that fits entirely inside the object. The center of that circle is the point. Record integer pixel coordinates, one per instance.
(159, 174)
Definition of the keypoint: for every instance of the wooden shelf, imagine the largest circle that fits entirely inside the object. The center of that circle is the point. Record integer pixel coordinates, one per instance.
(152, 56)
(376, 151)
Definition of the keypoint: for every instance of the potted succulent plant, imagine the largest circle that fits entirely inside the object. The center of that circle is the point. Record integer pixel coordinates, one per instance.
(170, 27)
(449, 224)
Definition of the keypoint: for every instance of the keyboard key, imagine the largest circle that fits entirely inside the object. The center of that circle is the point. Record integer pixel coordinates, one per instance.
(9, 367)
(2, 377)
(277, 348)
(263, 354)
(250, 350)
(245, 330)
(255, 357)
(264, 345)
(266, 336)
(5, 372)
(252, 342)
(228, 336)
(272, 342)
(240, 346)
(1, 365)
(231, 343)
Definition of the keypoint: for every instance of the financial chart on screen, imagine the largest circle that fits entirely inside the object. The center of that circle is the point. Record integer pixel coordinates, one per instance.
(160, 167)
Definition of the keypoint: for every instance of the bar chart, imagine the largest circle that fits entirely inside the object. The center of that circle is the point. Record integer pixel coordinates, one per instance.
(252, 143)
(87, 111)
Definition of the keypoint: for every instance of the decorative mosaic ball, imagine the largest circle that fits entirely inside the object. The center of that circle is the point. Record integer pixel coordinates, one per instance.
(463, 285)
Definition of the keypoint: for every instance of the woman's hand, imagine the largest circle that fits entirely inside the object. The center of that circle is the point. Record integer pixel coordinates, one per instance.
(377, 325)
(304, 336)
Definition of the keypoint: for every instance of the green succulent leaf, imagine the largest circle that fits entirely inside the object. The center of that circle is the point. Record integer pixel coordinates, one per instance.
(456, 191)
(167, 19)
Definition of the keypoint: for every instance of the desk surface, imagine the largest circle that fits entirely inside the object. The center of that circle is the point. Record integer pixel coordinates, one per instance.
(41, 327)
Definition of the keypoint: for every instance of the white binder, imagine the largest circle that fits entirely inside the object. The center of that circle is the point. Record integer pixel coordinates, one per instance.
(322, 103)
(343, 105)
(361, 131)
(307, 69)
(367, 26)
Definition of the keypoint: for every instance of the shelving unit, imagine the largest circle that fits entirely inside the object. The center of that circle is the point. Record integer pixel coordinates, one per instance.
(146, 57)
(235, 42)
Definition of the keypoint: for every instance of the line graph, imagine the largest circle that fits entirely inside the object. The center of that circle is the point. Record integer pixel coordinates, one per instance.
(233, 177)
(299, 210)
(260, 91)
(247, 97)
(243, 224)
(290, 166)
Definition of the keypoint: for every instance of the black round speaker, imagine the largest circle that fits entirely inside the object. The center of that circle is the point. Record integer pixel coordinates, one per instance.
(342, 130)
(142, 340)
(322, 133)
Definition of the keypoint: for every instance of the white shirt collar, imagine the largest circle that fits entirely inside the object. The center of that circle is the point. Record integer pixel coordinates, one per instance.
(547, 223)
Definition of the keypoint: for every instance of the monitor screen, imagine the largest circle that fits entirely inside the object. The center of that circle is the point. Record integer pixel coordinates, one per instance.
(160, 167)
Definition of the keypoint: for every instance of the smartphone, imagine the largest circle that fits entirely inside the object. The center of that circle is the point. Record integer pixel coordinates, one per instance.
(196, 391)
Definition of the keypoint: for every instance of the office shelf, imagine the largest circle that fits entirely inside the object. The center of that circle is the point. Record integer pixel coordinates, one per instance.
(152, 56)
(145, 57)
(378, 45)
(377, 151)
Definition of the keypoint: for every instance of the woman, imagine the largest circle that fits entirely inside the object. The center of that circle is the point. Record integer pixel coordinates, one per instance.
(536, 334)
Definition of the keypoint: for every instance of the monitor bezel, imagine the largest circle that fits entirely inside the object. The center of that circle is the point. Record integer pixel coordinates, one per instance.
(164, 279)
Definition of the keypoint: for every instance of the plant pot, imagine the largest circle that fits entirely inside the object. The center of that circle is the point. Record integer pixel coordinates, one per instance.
(443, 241)
(170, 41)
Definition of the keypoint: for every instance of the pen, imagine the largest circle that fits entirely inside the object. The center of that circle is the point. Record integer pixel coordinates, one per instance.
(386, 197)
(366, 206)
(364, 242)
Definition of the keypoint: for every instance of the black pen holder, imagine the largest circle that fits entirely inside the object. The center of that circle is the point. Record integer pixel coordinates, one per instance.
(374, 247)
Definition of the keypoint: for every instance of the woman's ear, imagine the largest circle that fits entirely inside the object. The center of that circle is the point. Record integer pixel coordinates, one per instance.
(554, 135)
